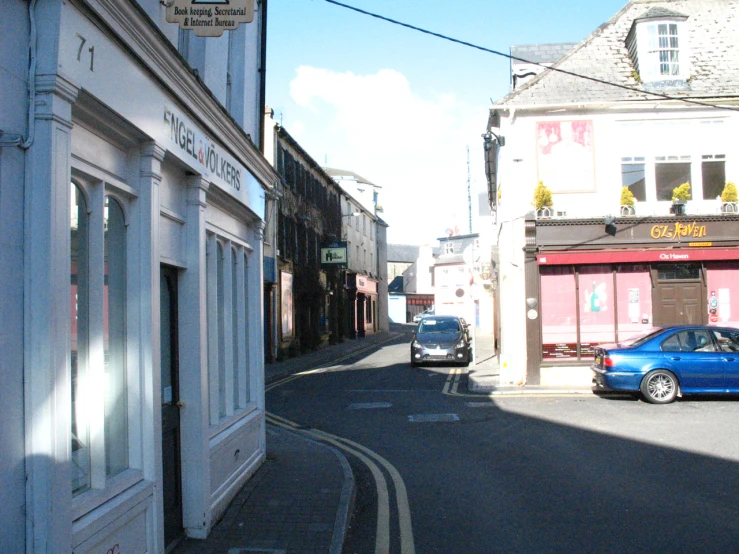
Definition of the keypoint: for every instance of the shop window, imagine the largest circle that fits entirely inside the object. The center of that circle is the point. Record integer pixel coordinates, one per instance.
(100, 434)
(633, 176)
(713, 172)
(226, 269)
(722, 289)
(670, 172)
(597, 314)
(634, 299)
(672, 272)
(114, 339)
(80, 339)
(558, 313)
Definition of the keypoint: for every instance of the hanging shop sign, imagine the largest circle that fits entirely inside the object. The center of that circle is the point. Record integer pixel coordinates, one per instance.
(210, 18)
(334, 255)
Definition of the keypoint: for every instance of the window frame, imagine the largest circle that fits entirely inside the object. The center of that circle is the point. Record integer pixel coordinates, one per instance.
(668, 49)
(95, 188)
(227, 281)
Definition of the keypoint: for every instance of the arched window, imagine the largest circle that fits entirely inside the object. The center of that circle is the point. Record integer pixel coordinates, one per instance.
(228, 328)
(80, 338)
(114, 338)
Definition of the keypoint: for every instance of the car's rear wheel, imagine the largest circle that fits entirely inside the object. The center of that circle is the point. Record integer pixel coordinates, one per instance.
(659, 387)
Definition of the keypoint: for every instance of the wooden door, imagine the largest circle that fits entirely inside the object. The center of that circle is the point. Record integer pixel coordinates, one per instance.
(680, 300)
(171, 471)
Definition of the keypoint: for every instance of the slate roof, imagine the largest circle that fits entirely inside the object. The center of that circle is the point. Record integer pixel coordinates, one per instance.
(540, 53)
(407, 253)
(350, 174)
(713, 35)
(402, 253)
(659, 12)
(446, 259)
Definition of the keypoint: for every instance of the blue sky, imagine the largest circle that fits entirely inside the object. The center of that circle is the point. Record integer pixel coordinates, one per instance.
(400, 107)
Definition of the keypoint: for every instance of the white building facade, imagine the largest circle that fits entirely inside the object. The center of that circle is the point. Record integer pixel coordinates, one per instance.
(567, 280)
(132, 210)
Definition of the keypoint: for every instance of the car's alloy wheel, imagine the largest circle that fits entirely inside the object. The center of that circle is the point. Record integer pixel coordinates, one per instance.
(659, 387)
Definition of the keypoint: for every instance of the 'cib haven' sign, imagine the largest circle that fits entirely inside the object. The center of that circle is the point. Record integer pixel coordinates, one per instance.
(209, 18)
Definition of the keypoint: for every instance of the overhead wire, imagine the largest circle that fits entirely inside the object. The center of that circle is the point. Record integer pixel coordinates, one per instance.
(550, 68)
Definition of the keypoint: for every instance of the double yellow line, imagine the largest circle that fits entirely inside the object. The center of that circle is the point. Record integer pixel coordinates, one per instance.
(451, 386)
(368, 458)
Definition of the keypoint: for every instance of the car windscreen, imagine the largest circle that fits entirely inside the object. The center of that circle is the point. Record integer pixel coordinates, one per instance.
(433, 325)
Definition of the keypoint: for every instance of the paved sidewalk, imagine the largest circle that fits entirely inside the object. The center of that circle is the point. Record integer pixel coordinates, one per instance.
(300, 500)
(484, 376)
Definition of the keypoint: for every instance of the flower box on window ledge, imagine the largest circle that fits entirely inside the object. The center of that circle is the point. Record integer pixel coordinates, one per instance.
(678, 207)
(544, 212)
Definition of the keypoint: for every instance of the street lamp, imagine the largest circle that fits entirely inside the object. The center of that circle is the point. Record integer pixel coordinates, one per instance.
(353, 214)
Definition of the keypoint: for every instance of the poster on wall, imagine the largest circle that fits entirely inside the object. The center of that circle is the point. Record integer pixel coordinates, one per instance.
(286, 294)
(596, 299)
(724, 305)
(565, 155)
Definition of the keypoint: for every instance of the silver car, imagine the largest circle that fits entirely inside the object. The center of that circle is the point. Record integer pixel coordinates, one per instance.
(440, 338)
(420, 316)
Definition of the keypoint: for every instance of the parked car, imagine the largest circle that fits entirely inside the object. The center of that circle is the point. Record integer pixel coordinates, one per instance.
(440, 338)
(669, 362)
(466, 328)
(420, 316)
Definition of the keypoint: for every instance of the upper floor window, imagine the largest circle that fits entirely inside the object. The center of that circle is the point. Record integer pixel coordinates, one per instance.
(633, 172)
(670, 172)
(665, 47)
(658, 46)
(713, 174)
(448, 248)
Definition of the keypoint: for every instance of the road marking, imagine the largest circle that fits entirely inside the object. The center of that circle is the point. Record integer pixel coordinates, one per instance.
(451, 386)
(369, 405)
(433, 418)
(382, 538)
(407, 544)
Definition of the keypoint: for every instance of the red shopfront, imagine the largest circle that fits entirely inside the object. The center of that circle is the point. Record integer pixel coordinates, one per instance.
(362, 295)
(601, 288)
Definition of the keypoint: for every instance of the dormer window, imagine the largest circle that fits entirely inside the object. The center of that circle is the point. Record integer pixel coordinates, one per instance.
(658, 46)
(664, 48)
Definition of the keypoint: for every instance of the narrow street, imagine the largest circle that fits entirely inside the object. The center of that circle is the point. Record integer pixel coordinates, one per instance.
(529, 474)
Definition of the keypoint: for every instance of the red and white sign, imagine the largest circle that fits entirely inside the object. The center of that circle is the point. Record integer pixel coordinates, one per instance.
(636, 256)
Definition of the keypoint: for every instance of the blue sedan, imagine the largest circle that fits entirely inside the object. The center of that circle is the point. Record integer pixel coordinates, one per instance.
(669, 362)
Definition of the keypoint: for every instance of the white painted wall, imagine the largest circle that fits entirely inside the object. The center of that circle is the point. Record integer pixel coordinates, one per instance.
(616, 135)
(13, 113)
(123, 151)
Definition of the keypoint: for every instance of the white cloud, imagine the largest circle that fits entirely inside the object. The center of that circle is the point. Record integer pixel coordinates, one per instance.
(413, 146)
